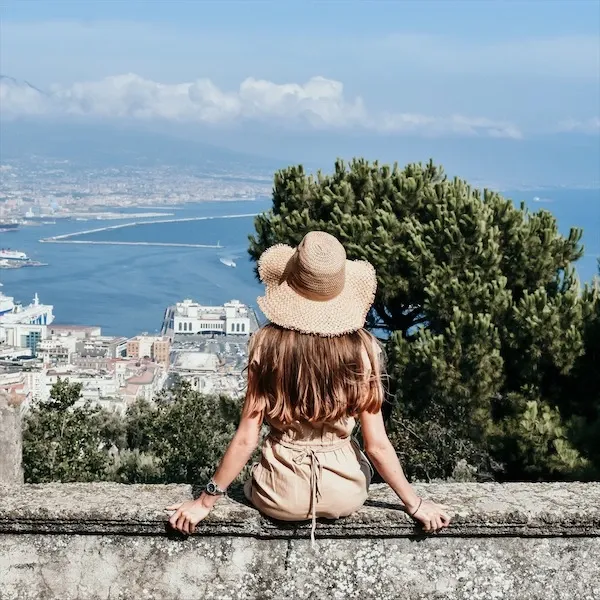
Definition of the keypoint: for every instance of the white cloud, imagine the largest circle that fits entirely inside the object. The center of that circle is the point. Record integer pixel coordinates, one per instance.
(319, 103)
(454, 124)
(591, 125)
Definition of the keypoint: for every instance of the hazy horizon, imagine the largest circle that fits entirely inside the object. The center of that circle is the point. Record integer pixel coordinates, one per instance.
(505, 93)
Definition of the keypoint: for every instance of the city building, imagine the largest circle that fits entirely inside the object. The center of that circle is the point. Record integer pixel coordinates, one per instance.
(197, 368)
(13, 383)
(156, 348)
(56, 350)
(23, 386)
(81, 332)
(189, 317)
(145, 383)
(103, 346)
(114, 388)
(80, 345)
(10, 353)
(92, 363)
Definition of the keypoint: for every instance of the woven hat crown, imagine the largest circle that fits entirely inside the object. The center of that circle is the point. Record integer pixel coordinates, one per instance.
(314, 288)
(318, 267)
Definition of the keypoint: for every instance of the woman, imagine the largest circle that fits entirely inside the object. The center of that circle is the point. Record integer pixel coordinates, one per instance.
(312, 372)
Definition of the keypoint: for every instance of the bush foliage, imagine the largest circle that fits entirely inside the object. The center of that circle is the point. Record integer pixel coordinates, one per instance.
(179, 438)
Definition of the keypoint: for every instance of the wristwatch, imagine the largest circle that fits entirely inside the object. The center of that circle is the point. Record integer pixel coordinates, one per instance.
(212, 489)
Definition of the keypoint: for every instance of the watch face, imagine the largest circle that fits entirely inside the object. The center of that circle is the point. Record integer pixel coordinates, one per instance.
(211, 488)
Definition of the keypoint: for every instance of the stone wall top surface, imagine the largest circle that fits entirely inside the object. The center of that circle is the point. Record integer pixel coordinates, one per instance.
(477, 509)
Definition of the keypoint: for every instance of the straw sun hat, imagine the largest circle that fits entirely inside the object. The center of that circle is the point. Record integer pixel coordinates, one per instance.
(314, 288)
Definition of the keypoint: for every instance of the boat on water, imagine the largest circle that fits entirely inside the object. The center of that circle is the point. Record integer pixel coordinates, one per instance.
(9, 226)
(7, 304)
(19, 264)
(8, 254)
(228, 262)
(35, 313)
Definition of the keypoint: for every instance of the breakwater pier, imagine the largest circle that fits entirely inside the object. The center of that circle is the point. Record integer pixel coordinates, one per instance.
(107, 243)
(67, 238)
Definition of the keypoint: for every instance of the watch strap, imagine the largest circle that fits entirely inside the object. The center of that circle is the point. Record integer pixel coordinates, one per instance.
(213, 489)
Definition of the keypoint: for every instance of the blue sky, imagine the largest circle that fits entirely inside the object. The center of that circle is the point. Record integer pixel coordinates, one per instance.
(382, 70)
(471, 17)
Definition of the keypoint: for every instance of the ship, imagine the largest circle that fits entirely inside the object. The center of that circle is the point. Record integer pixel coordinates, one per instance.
(228, 262)
(8, 254)
(35, 313)
(7, 304)
(9, 226)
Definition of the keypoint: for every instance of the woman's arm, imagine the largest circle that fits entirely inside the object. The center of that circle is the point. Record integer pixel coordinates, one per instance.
(239, 451)
(380, 450)
(384, 457)
(245, 440)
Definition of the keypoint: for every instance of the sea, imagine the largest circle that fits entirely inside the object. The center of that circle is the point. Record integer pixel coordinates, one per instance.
(126, 289)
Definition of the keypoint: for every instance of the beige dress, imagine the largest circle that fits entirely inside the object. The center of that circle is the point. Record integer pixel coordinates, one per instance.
(310, 470)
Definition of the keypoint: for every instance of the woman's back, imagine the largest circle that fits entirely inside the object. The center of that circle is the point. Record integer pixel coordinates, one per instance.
(311, 372)
(310, 389)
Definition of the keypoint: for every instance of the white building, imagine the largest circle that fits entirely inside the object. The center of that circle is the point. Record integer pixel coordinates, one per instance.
(82, 346)
(116, 389)
(24, 386)
(103, 345)
(57, 350)
(81, 332)
(189, 317)
(145, 383)
(9, 353)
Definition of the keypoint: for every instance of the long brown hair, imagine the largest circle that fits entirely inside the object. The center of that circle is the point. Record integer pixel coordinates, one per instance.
(297, 376)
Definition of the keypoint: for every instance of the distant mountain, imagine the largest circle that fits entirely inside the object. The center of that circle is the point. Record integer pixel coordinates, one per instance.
(106, 144)
(97, 142)
(12, 82)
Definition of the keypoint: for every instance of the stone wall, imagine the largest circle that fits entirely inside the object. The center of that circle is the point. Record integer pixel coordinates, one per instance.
(11, 470)
(111, 541)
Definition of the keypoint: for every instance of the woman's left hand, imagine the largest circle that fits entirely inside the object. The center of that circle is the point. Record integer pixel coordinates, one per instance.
(187, 515)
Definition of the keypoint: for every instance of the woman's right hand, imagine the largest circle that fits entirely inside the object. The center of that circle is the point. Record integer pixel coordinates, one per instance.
(432, 515)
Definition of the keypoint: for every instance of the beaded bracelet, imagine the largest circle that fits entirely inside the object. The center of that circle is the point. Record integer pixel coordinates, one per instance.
(418, 507)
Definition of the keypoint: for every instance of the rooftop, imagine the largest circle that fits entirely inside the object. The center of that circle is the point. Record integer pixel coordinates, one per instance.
(60, 327)
(196, 361)
(144, 377)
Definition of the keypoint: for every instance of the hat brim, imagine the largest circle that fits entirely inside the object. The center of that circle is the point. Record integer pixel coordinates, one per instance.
(285, 307)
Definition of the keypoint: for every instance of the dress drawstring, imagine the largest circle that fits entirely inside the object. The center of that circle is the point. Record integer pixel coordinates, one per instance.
(316, 470)
(316, 476)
